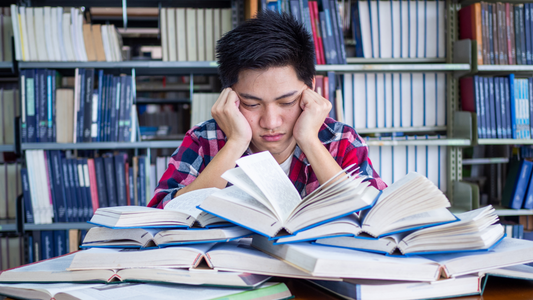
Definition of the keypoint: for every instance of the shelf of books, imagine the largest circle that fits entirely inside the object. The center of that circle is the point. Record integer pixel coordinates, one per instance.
(393, 67)
(421, 142)
(58, 226)
(404, 60)
(401, 129)
(102, 145)
(483, 161)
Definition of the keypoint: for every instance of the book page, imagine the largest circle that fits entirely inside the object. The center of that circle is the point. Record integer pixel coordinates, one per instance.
(266, 173)
(186, 203)
(51, 288)
(235, 194)
(238, 178)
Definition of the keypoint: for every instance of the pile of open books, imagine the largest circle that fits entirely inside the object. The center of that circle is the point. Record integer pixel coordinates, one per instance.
(346, 236)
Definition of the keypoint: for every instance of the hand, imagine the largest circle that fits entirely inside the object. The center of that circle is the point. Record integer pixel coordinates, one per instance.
(226, 113)
(315, 109)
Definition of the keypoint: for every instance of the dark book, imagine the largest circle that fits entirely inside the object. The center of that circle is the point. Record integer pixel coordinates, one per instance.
(88, 105)
(332, 84)
(502, 34)
(523, 44)
(337, 31)
(36, 245)
(101, 108)
(527, 26)
(131, 186)
(56, 181)
(81, 108)
(23, 112)
(509, 128)
(49, 105)
(49, 174)
(47, 244)
(77, 203)
(111, 185)
(42, 106)
(497, 107)
(60, 242)
(485, 33)
(113, 121)
(503, 106)
(492, 109)
(471, 101)
(26, 194)
(530, 24)
(323, 6)
(120, 160)
(30, 247)
(306, 18)
(483, 108)
(530, 83)
(493, 50)
(142, 181)
(100, 181)
(295, 10)
(122, 108)
(328, 52)
(509, 10)
(53, 96)
(495, 37)
(516, 184)
(517, 31)
(356, 30)
(80, 189)
(30, 111)
(70, 197)
(106, 106)
(87, 187)
(128, 110)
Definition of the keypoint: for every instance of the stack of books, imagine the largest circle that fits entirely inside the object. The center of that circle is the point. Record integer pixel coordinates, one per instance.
(346, 236)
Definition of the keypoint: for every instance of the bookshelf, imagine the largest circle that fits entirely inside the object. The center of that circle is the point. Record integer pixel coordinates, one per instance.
(7, 148)
(102, 145)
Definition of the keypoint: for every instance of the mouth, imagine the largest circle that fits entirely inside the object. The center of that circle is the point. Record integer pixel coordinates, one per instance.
(272, 137)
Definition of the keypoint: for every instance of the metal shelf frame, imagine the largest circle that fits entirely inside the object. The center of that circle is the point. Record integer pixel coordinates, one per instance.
(58, 226)
(435, 142)
(7, 148)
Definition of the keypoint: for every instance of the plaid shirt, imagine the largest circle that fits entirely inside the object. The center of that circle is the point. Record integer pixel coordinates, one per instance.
(204, 140)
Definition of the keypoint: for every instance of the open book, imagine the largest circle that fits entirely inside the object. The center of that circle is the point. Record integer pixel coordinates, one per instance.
(55, 270)
(126, 291)
(476, 230)
(180, 212)
(264, 200)
(152, 237)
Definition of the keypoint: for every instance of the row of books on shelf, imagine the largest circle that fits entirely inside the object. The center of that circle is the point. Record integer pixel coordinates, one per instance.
(190, 34)
(99, 108)
(502, 105)
(393, 162)
(518, 189)
(394, 100)
(11, 251)
(74, 188)
(10, 188)
(503, 32)
(9, 108)
(399, 29)
(6, 32)
(62, 34)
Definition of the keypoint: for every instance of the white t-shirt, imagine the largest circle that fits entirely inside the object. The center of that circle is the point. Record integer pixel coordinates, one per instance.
(286, 165)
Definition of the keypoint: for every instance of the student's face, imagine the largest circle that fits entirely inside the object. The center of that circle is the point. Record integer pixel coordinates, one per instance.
(270, 101)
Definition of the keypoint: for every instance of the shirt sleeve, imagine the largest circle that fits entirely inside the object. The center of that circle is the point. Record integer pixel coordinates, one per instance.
(184, 166)
(356, 152)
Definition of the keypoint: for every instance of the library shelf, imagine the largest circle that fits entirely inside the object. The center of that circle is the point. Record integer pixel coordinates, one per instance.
(161, 101)
(503, 69)
(362, 60)
(6, 65)
(430, 142)
(502, 211)
(400, 129)
(7, 148)
(8, 225)
(504, 142)
(58, 226)
(485, 161)
(101, 145)
(408, 68)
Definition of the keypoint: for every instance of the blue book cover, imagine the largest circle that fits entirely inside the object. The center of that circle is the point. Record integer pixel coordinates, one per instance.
(73, 162)
(128, 122)
(31, 106)
(342, 51)
(49, 173)
(356, 30)
(49, 105)
(42, 106)
(142, 178)
(503, 106)
(518, 41)
(497, 104)
(77, 204)
(530, 97)
(516, 184)
(481, 129)
(132, 187)
(109, 103)
(514, 110)
(526, 131)
(331, 87)
(522, 33)
(54, 89)
(306, 17)
(114, 111)
(69, 197)
(28, 207)
(527, 25)
(110, 179)
(323, 6)
(491, 105)
(491, 37)
(86, 188)
(100, 181)
(56, 181)
(295, 10)
(23, 113)
(122, 107)
(60, 242)
(120, 169)
(335, 28)
(102, 117)
(528, 202)
(88, 105)
(101, 105)
(47, 244)
(81, 108)
(509, 129)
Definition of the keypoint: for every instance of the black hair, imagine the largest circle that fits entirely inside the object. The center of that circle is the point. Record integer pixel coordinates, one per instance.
(271, 39)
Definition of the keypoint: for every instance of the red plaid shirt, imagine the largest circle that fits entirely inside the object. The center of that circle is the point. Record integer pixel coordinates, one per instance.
(203, 141)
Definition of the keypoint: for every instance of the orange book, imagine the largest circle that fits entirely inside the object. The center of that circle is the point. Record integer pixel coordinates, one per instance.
(470, 27)
(88, 40)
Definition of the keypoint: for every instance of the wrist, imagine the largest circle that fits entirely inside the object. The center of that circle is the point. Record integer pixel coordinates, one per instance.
(237, 146)
(309, 144)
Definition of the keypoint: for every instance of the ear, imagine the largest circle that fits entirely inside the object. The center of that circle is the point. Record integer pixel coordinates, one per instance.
(314, 82)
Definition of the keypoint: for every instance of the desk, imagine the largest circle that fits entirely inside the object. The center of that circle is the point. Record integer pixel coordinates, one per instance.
(496, 289)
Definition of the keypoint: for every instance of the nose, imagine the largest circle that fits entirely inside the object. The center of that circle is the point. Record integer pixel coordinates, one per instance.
(270, 118)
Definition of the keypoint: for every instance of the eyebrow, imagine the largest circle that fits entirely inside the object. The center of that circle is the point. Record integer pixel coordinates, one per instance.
(248, 96)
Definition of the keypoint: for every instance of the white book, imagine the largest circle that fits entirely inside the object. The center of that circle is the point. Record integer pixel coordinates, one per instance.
(388, 100)
(161, 167)
(418, 99)
(387, 164)
(164, 37)
(32, 180)
(225, 20)
(430, 99)
(110, 41)
(32, 41)
(405, 28)
(181, 30)
(375, 29)
(60, 38)
(105, 41)
(396, 103)
(385, 28)
(200, 33)
(116, 40)
(371, 98)
(24, 35)
(373, 154)
(432, 34)
(348, 99)
(433, 164)
(192, 49)
(380, 100)
(38, 22)
(48, 34)
(153, 182)
(443, 169)
(45, 184)
(421, 159)
(400, 163)
(67, 37)
(396, 29)
(171, 34)
(422, 30)
(441, 99)
(74, 33)
(366, 37)
(411, 156)
(79, 32)
(209, 35)
(405, 83)
(55, 34)
(16, 32)
(360, 106)
(217, 33)
(414, 28)
(441, 31)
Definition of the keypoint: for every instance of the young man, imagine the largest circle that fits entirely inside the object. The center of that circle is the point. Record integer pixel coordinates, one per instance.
(267, 68)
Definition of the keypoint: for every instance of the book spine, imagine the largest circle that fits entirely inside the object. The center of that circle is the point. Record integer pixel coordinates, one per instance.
(47, 244)
(325, 39)
(60, 242)
(142, 181)
(508, 106)
(518, 40)
(100, 182)
(88, 105)
(485, 35)
(81, 108)
(54, 108)
(514, 108)
(115, 109)
(88, 196)
(49, 106)
(295, 10)
(50, 183)
(502, 34)
(128, 122)
(121, 179)
(509, 12)
(337, 31)
(110, 181)
(503, 106)
(306, 18)
(80, 180)
(319, 32)
(60, 203)
(122, 106)
(129, 183)
(491, 36)
(527, 27)
(28, 207)
(93, 183)
(356, 30)
(68, 191)
(77, 204)
(101, 104)
(497, 107)
(315, 37)
(495, 31)
(492, 103)
(523, 44)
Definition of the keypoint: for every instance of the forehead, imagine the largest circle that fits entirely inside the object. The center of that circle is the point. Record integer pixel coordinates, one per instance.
(269, 81)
